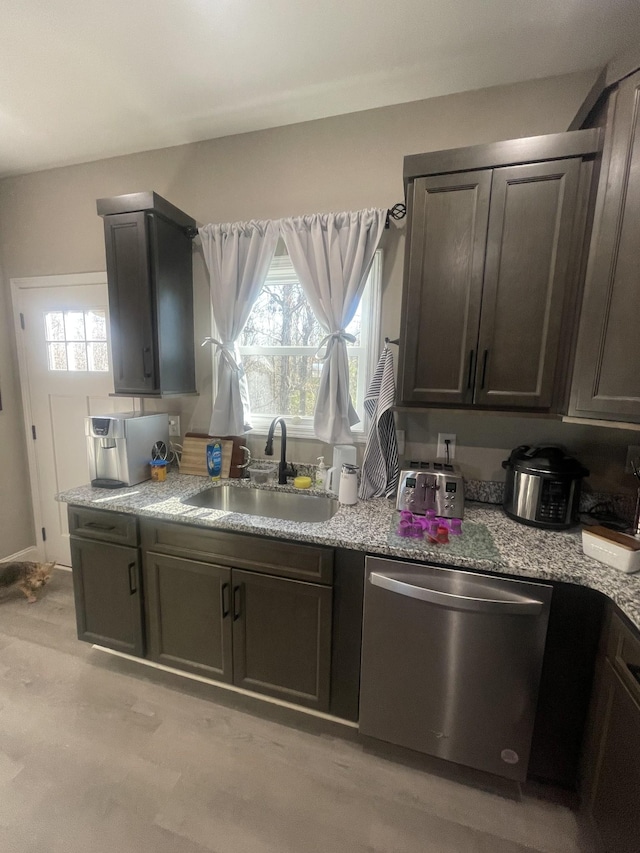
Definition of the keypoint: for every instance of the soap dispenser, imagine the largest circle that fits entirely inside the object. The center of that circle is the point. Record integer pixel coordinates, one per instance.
(321, 474)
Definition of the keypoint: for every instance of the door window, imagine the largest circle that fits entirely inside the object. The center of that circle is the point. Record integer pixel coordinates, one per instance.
(77, 340)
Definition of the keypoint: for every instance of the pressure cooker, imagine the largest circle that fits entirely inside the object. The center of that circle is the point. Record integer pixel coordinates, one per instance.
(542, 487)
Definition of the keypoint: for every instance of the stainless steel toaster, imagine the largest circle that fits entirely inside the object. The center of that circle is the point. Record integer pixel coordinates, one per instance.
(432, 485)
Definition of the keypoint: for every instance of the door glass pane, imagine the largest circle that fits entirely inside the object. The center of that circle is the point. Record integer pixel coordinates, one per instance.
(97, 356)
(77, 340)
(96, 325)
(77, 356)
(54, 325)
(74, 325)
(57, 356)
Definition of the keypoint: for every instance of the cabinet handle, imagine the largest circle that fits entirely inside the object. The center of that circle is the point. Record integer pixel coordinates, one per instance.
(237, 602)
(470, 375)
(97, 526)
(133, 586)
(224, 596)
(146, 351)
(484, 367)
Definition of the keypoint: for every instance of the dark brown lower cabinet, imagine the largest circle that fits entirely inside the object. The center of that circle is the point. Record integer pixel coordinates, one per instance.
(615, 803)
(267, 634)
(107, 584)
(282, 638)
(188, 615)
(611, 763)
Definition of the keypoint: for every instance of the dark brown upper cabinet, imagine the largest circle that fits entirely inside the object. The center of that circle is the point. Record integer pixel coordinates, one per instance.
(492, 260)
(150, 280)
(606, 381)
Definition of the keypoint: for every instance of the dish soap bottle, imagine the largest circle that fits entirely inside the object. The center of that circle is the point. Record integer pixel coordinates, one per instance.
(214, 460)
(321, 474)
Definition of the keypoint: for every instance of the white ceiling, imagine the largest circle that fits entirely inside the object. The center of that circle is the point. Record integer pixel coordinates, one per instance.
(85, 79)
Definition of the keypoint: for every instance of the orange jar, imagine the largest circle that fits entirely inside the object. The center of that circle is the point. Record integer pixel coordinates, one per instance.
(158, 469)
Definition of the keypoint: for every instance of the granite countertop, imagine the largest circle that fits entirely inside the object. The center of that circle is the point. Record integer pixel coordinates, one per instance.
(490, 541)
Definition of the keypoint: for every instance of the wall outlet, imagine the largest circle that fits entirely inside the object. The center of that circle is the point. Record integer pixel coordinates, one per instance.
(442, 447)
(633, 452)
(174, 425)
(400, 437)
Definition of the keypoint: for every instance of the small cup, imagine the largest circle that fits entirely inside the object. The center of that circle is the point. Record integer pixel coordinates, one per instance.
(405, 527)
(455, 527)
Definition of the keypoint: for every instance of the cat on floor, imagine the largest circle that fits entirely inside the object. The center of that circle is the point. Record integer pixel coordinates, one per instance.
(27, 576)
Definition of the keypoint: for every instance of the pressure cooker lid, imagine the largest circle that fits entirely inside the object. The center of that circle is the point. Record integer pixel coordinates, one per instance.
(544, 460)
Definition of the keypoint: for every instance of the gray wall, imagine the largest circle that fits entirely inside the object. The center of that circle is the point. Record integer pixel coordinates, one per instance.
(48, 225)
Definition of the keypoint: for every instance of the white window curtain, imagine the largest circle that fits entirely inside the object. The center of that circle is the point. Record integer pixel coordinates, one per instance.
(237, 256)
(332, 255)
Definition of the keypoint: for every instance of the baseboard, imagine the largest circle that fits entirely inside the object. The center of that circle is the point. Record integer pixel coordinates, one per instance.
(28, 554)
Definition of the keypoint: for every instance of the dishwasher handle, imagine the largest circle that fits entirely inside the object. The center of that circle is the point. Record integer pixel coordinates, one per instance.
(517, 605)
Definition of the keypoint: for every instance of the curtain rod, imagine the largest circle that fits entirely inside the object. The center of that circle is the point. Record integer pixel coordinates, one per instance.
(397, 212)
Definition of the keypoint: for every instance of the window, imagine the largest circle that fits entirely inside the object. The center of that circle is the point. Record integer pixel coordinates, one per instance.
(280, 342)
(77, 340)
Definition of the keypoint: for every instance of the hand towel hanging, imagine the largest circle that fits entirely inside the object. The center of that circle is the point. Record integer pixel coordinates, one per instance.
(380, 466)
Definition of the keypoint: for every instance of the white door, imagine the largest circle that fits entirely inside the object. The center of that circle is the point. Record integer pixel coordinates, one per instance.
(66, 375)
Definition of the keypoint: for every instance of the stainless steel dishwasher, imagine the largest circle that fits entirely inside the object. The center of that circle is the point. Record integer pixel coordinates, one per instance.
(451, 663)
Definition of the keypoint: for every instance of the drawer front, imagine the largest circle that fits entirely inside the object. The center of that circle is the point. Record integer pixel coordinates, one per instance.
(269, 556)
(105, 526)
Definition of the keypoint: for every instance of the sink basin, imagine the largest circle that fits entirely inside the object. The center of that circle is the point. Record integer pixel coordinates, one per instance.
(285, 505)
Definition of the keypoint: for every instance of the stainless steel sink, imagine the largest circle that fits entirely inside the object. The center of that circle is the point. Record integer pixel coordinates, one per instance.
(286, 505)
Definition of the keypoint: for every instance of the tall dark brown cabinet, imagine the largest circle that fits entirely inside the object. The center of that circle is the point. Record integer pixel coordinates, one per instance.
(607, 379)
(494, 238)
(150, 280)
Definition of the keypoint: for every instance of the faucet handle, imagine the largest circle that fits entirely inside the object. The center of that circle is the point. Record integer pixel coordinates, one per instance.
(290, 471)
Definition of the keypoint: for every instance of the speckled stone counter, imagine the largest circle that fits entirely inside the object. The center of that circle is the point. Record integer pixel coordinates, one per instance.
(490, 541)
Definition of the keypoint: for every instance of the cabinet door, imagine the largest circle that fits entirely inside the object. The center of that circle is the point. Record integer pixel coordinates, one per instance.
(606, 377)
(131, 304)
(529, 242)
(282, 638)
(616, 791)
(172, 266)
(107, 585)
(188, 613)
(443, 287)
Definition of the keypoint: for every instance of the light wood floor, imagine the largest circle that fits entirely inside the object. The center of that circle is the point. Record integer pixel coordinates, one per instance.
(100, 756)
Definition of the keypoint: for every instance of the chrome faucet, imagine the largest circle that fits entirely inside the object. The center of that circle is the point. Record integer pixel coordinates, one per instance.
(284, 470)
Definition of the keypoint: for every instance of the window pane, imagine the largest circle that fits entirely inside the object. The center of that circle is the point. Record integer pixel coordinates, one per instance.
(283, 378)
(355, 326)
(96, 325)
(282, 316)
(97, 357)
(283, 385)
(77, 356)
(54, 325)
(57, 356)
(354, 363)
(74, 325)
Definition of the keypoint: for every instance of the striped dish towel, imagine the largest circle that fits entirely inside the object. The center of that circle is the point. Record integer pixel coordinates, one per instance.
(380, 463)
